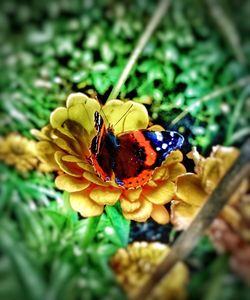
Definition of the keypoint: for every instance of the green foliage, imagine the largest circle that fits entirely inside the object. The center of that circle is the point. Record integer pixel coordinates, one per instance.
(211, 278)
(50, 50)
(84, 47)
(48, 252)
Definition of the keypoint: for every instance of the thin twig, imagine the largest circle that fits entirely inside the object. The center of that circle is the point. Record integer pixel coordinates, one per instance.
(227, 28)
(153, 23)
(216, 93)
(188, 239)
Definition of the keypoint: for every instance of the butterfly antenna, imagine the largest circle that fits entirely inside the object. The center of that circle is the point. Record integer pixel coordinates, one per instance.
(105, 117)
(123, 115)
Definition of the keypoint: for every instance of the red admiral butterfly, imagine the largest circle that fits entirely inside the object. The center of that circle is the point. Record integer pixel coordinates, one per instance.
(130, 158)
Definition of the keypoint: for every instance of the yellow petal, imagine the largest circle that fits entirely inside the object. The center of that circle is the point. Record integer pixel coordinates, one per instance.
(128, 206)
(160, 214)
(227, 154)
(66, 134)
(142, 213)
(81, 109)
(76, 98)
(195, 156)
(182, 214)
(70, 168)
(211, 174)
(42, 134)
(45, 151)
(86, 166)
(162, 194)
(58, 117)
(136, 117)
(176, 170)
(81, 203)
(94, 179)
(189, 189)
(64, 145)
(156, 128)
(133, 194)
(64, 131)
(85, 118)
(72, 158)
(71, 184)
(160, 173)
(174, 157)
(80, 139)
(151, 184)
(102, 195)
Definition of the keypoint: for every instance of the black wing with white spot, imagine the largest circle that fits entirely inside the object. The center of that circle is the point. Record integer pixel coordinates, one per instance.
(163, 142)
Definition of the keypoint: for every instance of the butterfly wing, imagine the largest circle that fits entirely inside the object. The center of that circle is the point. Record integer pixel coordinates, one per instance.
(140, 152)
(101, 151)
(163, 142)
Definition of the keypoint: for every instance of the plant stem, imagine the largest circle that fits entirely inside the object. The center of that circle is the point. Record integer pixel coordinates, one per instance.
(90, 230)
(216, 93)
(227, 28)
(153, 23)
(188, 239)
(234, 119)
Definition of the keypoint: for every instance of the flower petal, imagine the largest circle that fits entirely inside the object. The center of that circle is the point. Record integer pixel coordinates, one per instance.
(58, 117)
(142, 213)
(71, 184)
(136, 117)
(227, 154)
(128, 206)
(174, 157)
(182, 214)
(86, 166)
(81, 109)
(94, 179)
(72, 158)
(45, 151)
(211, 174)
(160, 173)
(160, 214)
(132, 194)
(64, 145)
(156, 128)
(76, 98)
(104, 196)
(70, 168)
(162, 194)
(81, 203)
(176, 170)
(189, 189)
(43, 134)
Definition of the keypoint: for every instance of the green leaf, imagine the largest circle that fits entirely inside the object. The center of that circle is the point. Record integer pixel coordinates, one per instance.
(119, 223)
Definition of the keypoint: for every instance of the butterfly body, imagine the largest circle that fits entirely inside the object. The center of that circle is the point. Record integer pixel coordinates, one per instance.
(131, 157)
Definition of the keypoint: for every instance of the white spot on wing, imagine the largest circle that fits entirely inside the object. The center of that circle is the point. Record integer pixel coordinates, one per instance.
(171, 134)
(159, 136)
(164, 146)
(158, 148)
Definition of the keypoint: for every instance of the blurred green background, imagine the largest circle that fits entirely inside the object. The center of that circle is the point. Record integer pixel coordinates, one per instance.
(50, 49)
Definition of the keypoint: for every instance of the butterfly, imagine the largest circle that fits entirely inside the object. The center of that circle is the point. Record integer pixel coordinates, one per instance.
(131, 157)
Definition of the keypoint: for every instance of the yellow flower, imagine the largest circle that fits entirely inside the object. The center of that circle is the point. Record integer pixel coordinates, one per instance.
(18, 151)
(230, 232)
(134, 265)
(193, 189)
(64, 147)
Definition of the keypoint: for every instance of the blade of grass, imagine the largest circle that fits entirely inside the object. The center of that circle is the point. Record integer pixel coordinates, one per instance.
(153, 23)
(216, 93)
(227, 28)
